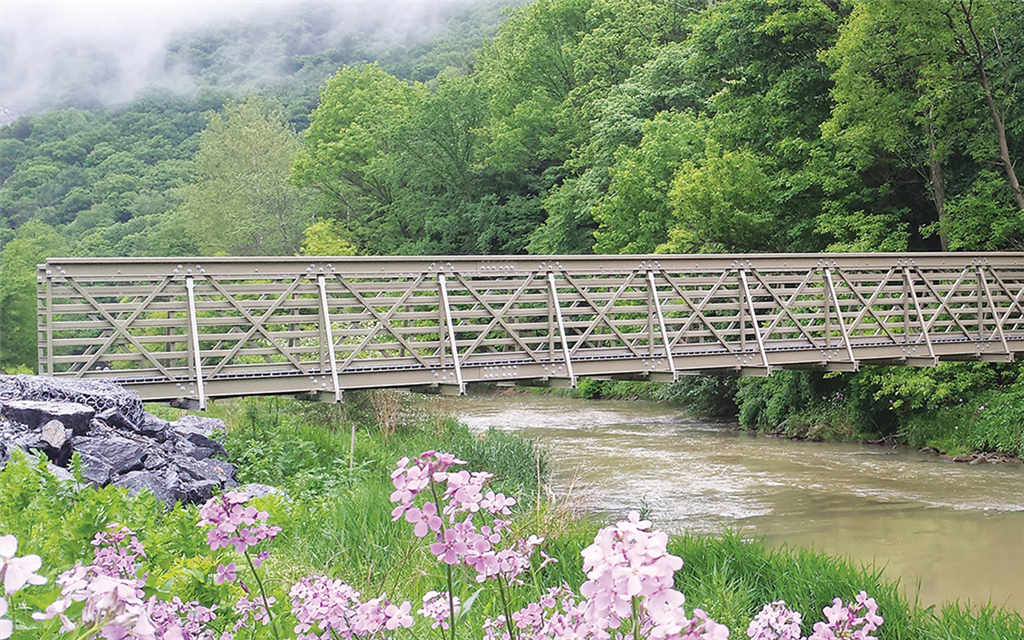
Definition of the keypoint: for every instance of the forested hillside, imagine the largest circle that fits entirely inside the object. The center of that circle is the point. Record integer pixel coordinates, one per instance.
(575, 126)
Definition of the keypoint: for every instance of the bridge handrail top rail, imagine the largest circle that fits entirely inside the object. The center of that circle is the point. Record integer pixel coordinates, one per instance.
(257, 266)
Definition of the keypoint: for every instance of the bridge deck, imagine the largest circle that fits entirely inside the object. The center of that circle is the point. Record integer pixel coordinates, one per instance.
(190, 330)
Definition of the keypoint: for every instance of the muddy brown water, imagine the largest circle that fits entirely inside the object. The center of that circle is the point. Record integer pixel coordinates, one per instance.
(947, 531)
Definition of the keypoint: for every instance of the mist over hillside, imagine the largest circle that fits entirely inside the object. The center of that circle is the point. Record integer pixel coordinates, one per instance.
(93, 54)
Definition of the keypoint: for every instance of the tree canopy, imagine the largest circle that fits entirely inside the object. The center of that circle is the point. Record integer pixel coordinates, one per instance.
(559, 126)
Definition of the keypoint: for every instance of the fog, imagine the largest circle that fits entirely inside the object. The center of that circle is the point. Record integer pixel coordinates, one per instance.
(102, 52)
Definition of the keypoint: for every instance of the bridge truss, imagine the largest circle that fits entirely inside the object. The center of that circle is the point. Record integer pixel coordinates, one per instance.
(189, 330)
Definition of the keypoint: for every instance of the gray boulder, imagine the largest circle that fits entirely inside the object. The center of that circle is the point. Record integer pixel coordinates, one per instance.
(35, 413)
(153, 427)
(61, 473)
(120, 454)
(198, 424)
(95, 470)
(163, 487)
(97, 393)
(199, 490)
(55, 433)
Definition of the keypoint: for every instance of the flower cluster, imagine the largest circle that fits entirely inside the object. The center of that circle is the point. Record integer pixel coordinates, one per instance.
(629, 590)
(111, 592)
(191, 617)
(437, 607)
(235, 525)
(116, 552)
(628, 593)
(775, 622)
(258, 609)
(855, 620)
(450, 514)
(557, 614)
(628, 562)
(327, 608)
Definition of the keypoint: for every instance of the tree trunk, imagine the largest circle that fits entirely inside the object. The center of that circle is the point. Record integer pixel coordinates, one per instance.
(1004, 150)
(938, 188)
(978, 61)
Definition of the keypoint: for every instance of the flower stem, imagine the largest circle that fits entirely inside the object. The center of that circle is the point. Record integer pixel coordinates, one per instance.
(451, 602)
(447, 567)
(504, 606)
(263, 595)
(636, 618)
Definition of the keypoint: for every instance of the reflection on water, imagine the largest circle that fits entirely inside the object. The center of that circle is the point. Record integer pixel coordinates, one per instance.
(956, 530)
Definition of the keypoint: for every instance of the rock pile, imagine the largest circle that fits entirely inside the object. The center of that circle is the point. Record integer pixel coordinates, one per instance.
(118, 441)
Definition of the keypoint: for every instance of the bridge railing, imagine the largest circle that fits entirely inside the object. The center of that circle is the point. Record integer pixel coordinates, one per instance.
(177, 329)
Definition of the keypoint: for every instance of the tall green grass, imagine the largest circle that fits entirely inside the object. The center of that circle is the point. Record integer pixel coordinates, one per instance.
(729, 577)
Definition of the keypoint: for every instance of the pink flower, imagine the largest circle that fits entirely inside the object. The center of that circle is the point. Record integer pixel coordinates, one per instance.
(843, 621)
(245, 608)
(233, 524)
(450, 548)
(704, 628)
(425, 519)
(497, 503)
(326, 608)
(398, 616)
(192, 618)
(17, 572)
(225, 573)
(546, 560)
(260, 557)
(436, 608)
(116, 551)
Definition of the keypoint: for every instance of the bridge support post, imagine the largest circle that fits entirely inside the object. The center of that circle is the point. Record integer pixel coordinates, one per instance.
(44, 318)
(661, 325)
(561, 329)
(839, 317)
(753, 320)
(995, 316)
(325, 320)
(451, 332)
(197, 362)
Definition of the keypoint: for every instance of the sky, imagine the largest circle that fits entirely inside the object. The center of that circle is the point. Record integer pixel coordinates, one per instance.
(116, 47)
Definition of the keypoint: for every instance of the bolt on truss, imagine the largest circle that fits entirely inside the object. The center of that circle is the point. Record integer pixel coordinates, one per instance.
(187, 330)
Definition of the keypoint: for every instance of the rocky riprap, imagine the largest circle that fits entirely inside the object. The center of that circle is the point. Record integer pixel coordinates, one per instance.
(118, 441)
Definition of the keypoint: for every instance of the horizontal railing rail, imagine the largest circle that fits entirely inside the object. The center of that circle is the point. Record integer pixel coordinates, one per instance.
(187, 330)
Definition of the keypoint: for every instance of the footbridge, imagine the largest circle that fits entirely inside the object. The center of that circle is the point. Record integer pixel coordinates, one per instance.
(187, 330)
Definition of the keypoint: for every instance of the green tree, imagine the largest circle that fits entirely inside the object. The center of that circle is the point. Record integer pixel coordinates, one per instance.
(323, 238)
(33, 244)
(924, 102)
(722, 205)
(635, 215)
(241, 202)
(350, 155)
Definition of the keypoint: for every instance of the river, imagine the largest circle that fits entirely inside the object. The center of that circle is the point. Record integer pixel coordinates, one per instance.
(946, 530)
